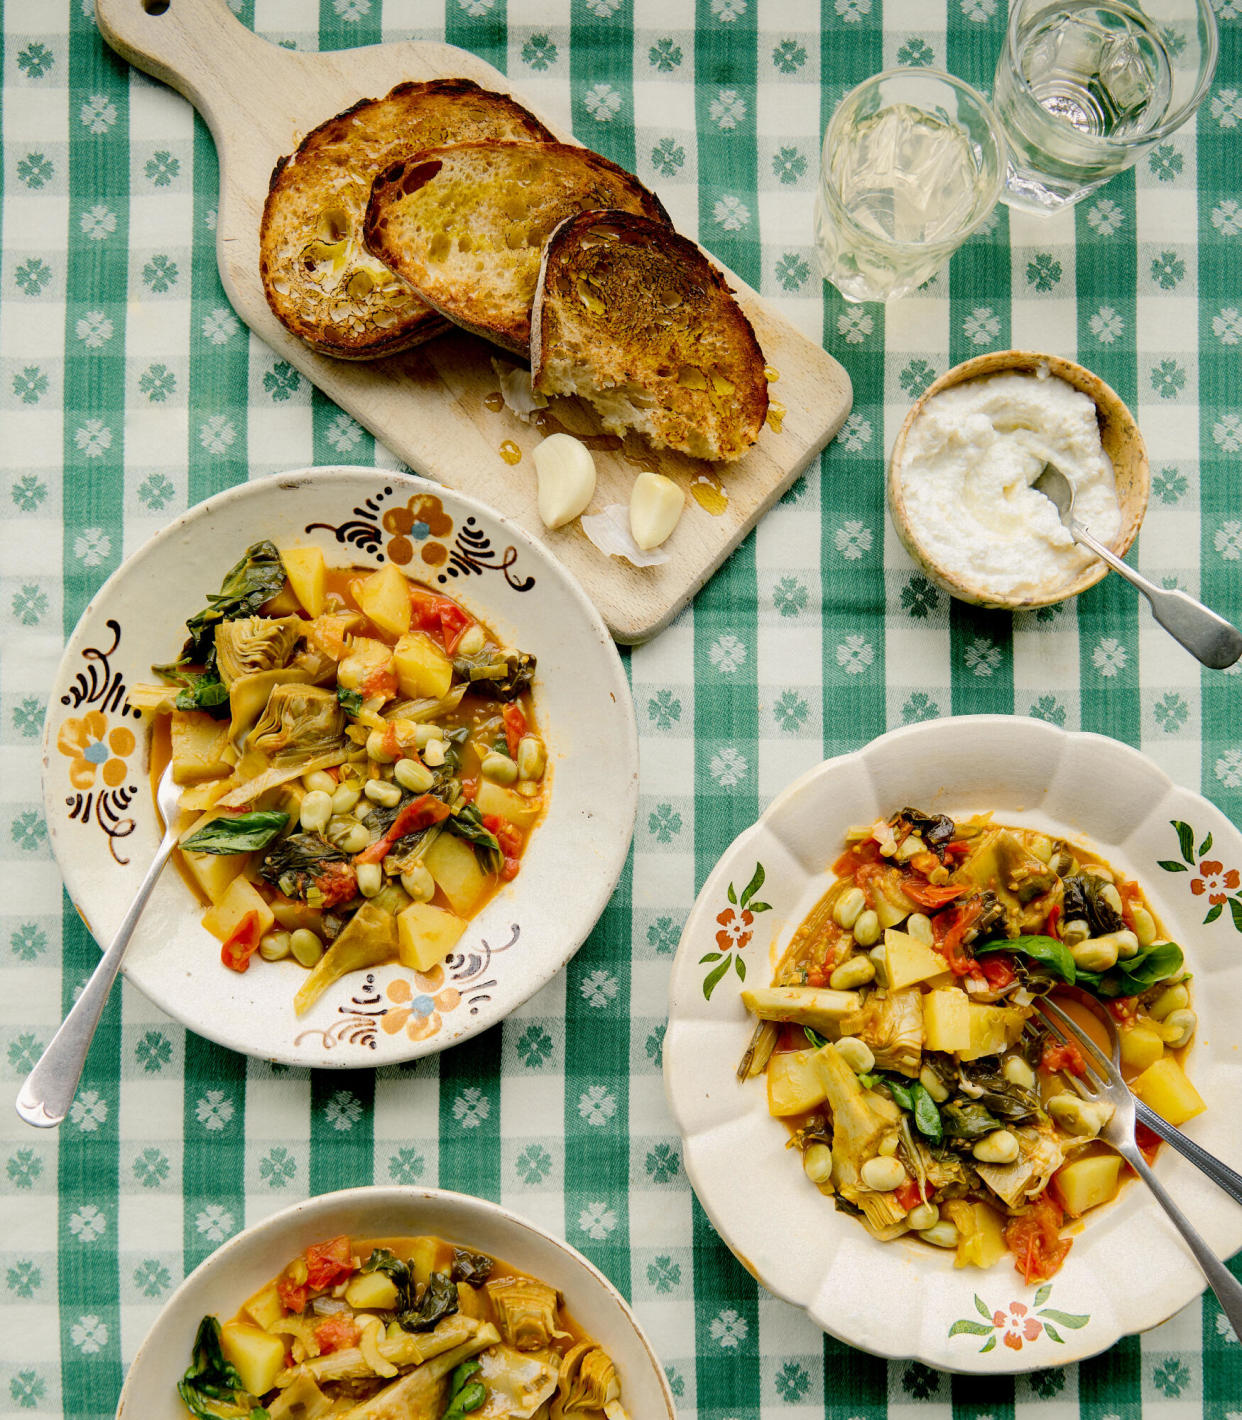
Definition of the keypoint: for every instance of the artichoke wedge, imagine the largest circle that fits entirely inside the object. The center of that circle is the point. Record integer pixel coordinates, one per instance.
(369, 939)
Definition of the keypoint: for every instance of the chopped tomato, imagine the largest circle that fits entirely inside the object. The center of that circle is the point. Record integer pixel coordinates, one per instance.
(242, 944)
(930, 895)
(381, 681)
(1062, 1055)
(868, 851)
(816, 976)
(1051, 922)
(469, 790)
(420, 813)
(392, 745)
(1035, 1240)
(292, 1294)
(328, 1263)
(509, 868)
(1131, 897)
(1123, 1009)
(1147, 1140)
(998, 971)
(959, 848)
(949, 930)
(441, 615)
(338, 883)
(911, 1194)
(508, 835)
(515, 727)
(337, 1333)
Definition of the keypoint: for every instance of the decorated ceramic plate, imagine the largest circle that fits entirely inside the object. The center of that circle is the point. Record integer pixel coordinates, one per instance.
(903, 1298)
(102, 818)
(238, 1269)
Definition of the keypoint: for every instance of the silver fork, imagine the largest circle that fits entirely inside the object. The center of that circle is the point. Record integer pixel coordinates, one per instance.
(45, 1098)
(1104, 1082)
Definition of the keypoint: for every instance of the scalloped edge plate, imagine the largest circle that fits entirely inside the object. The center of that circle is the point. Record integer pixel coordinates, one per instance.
(243, 1264)
(903, 1299)
(101, 815)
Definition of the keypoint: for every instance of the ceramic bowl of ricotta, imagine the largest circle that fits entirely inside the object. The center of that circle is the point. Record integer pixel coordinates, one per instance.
(964, 459)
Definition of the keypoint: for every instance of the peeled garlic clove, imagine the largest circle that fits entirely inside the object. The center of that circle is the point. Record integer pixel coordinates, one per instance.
(565, 472)
(655, 506)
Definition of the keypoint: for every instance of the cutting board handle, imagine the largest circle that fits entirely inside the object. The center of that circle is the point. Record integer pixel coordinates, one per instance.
(197, 47)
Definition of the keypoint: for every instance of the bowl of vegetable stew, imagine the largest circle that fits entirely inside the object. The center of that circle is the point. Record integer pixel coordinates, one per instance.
(873, 1265)
(394, 721)
(409, 1300)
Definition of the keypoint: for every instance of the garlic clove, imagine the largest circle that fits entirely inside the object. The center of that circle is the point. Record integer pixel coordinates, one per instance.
(565, 472)
(655, 507)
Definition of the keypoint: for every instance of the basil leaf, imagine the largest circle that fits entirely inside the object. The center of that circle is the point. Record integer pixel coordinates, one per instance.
(1049, 952)
(901, 1091)
(201, 692)
(926, 1115)
(467, 822)
(814, 1037)
(256, 578)
(1135, 974)
(240, 833)
(438, 1300)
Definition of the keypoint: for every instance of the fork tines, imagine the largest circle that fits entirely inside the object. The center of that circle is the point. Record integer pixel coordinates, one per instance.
(1067, 1029)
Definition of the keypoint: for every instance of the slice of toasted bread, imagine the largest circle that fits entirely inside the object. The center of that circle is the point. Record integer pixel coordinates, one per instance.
(465, 224)
(634, 319)
(319, 279)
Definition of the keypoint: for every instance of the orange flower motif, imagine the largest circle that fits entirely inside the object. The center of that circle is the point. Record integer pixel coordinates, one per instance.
(1216, 882)
(735, 928)
(419, 1007)
(88, 743)
(1016, 1326)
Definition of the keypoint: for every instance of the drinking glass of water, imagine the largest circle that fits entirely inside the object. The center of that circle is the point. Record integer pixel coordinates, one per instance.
(912, 163)
(1085, 87)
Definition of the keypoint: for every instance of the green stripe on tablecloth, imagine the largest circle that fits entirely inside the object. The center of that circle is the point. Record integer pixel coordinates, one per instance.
(470, 1116)
(213, 1171)
(597, 1090)
(1108, 660)
(981, 660)
(855, 1384)
(1220, 434)
(1113, 1382)
(979, 273)
(219, 349)
(348, 26)
(977, 1397)
(725, 68)
(485, 32)
(342, 1134)
(338, 438)
(96, 290)
(1107, 277)
(601, 76)
(726, 1328)
(89, 1201)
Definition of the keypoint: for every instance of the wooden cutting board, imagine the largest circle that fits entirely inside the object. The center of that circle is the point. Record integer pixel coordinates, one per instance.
(434, 406)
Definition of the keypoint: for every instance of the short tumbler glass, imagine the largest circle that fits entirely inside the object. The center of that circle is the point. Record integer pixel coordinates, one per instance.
(912, 163)
(1085, 87)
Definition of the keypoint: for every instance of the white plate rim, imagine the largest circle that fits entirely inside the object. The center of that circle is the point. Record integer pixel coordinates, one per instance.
(711, 1116)
(325, 481)
(303, 1217)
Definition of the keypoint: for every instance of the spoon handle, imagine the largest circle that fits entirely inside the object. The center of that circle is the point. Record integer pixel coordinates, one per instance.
(50, 1087)
(1215, 641)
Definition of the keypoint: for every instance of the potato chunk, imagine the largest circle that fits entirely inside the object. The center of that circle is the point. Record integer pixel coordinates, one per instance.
(426, 935)
(224, 917)
(307, 573)
(1163, 1086)
(907, 960)
(258, 1355)
(452, 863)
(423, 670)
(198, 742)
(384, 597)
(946, 1020)
(1086, 1182)
(794, 1083)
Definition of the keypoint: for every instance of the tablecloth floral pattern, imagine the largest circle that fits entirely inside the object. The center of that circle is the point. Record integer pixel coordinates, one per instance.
(129, 390)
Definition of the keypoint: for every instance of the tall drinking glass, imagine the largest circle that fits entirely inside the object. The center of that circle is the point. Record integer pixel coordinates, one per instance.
(912, 164)
(1085, 87)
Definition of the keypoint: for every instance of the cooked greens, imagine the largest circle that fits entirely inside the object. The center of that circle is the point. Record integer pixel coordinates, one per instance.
(210, 1381)
(240, 833)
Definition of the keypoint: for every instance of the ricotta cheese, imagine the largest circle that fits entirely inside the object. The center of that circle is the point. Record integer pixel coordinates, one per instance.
(965, 476)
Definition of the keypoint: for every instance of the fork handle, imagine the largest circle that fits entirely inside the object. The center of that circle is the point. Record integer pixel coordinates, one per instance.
(45, 1098)
(1220, 1174)
(1226, 1286)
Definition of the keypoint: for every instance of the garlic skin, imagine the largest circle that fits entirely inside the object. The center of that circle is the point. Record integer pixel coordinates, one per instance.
(565, 473)
(655, 506)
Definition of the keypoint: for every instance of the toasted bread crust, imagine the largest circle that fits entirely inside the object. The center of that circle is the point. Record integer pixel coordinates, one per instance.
(633, 318)
(464, 224)
(319, 280)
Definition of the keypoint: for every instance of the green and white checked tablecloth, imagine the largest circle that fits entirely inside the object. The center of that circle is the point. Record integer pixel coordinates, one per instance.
(129, 391)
